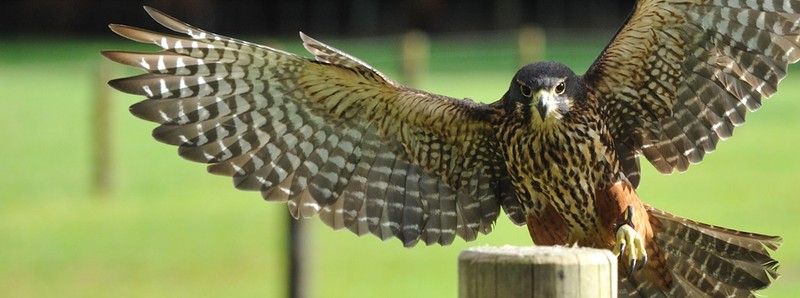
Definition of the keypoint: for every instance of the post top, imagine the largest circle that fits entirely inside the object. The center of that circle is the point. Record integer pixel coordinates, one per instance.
(537, 254)
(537, 271)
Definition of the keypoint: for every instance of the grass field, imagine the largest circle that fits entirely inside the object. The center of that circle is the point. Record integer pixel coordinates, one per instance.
(170, 229)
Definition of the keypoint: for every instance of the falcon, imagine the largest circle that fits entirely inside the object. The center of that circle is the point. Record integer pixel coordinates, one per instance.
(559, 152)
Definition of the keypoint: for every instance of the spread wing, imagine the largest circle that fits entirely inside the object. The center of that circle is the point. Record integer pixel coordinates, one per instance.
(680, 75)
(330, 136)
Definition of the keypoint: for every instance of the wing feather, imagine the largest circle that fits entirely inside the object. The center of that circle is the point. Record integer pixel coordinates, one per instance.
(681, 74)
(331, 137)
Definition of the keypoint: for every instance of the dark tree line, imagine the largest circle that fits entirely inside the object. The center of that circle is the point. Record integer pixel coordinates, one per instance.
(335, 17)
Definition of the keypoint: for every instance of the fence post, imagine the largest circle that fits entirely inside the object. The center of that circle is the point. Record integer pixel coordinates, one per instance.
(101, 132)
(531, 44)
(415, 50)
(298, 266)
(536, 271)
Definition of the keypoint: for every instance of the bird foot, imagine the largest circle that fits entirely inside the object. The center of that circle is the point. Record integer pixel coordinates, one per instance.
(629, 244)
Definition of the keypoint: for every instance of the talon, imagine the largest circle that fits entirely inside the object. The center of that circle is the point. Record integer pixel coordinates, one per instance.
(620, 249)
(632, 267)
(630, 244)
(644, 262)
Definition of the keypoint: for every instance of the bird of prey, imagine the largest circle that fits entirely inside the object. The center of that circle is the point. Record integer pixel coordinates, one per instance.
(559, 152)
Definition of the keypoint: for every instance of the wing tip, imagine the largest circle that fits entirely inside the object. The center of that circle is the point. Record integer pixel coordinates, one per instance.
(311, 45)
(168, 21)
(150, 10)
(119, 29)
(119, 85)
(133, 33)
(130, 85)
(156, 14)
(142, 111)
(116, 56)
(307, 39)
(108, 54)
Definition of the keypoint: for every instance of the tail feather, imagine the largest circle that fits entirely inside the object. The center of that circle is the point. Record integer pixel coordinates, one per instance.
(708, 261)
(696, 238)
(752, 241)
(728, 267)
(692, 277)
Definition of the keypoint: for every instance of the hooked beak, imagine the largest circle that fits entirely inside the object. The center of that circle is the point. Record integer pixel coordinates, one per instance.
(544, 101)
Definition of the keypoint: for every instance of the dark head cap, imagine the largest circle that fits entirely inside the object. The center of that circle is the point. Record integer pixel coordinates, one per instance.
(548, 89)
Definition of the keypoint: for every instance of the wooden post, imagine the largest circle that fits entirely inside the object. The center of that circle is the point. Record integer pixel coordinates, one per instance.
(531, 43)
(415, 50)
(101, 132)
(298, 266)
(540, 271)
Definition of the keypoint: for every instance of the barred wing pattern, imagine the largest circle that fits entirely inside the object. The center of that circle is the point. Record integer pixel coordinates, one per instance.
(331, 137)
(681, 74)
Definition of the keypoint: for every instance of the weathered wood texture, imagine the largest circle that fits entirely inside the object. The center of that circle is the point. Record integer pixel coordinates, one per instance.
(541, 271)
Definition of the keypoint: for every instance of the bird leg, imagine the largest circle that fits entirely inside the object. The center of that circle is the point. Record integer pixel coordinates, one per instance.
(630, 243)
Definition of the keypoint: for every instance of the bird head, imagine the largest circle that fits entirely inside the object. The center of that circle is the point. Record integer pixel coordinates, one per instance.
(544, 92)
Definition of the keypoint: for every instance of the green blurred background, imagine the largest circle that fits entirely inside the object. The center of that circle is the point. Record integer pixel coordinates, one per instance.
(169, 229)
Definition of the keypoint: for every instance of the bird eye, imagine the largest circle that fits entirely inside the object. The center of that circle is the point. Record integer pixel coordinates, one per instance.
(525, 90)
(560, 88)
